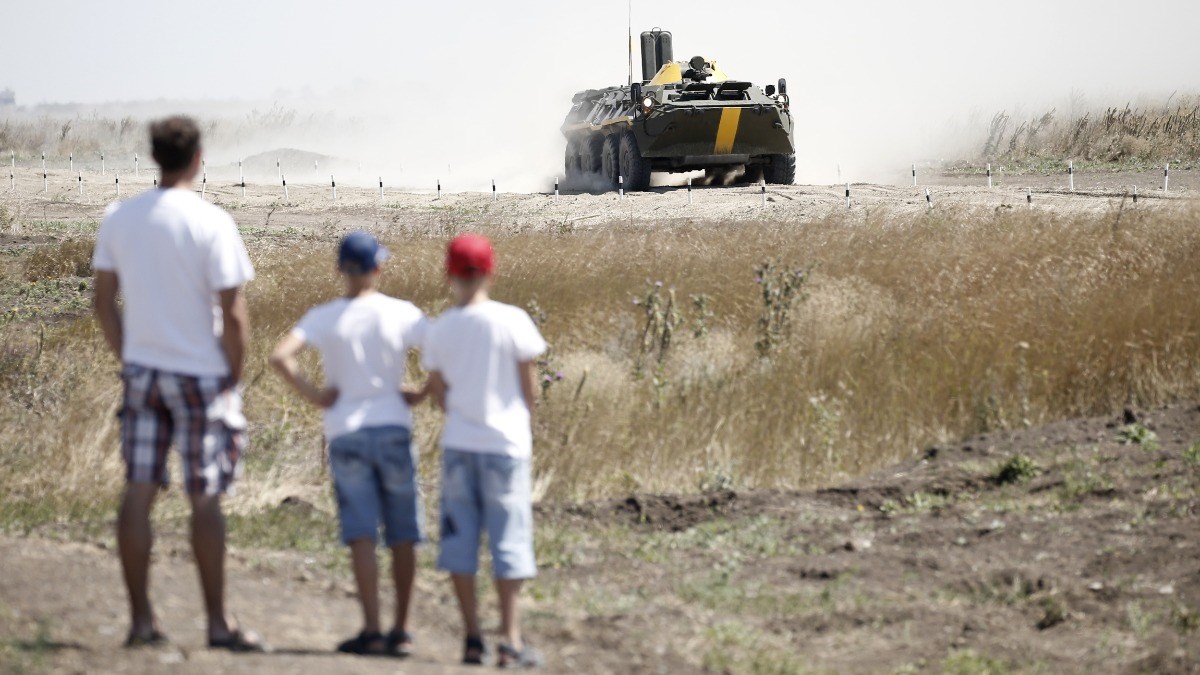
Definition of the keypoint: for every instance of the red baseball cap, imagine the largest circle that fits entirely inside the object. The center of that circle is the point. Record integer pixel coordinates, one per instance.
(469, 256)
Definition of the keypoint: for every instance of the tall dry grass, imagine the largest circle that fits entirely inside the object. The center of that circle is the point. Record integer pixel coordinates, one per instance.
(905, 330)
(1145, 134)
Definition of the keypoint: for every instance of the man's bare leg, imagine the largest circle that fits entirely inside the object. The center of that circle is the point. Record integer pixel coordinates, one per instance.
(404, 572)
(366, 576)
(208, 546)
(134, 540)
(509, 591)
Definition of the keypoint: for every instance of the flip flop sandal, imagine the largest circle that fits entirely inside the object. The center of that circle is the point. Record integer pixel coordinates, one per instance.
(240, 642)
(361, 644)
(474, 651)
(528, 657)
(399, 643)
(155, 639)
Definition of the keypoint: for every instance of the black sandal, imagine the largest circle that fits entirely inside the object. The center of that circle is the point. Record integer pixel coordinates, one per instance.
(240, 642)
(474, 651)
(154, 639)
(528, 657)
(399, 643)
(361, 644)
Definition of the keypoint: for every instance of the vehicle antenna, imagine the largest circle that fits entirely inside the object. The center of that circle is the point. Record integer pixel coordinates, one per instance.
(629, 42)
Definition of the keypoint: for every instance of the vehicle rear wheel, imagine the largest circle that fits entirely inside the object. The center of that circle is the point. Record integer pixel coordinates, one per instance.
(634, 167)
(611, 159)
(571, 159)
(781, 170)
(589, 154)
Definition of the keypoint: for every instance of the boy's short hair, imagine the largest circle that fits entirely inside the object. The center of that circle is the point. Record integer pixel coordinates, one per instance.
(174, 142)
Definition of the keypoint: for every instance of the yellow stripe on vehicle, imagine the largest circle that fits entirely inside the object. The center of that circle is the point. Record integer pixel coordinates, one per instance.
(727, 131)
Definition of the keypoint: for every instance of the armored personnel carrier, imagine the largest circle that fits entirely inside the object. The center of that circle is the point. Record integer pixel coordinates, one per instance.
(681, 117)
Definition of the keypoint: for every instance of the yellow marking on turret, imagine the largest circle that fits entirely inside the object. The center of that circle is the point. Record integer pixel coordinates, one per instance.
(727, 131)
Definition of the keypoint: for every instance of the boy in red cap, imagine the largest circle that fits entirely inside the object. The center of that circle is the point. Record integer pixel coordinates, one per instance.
(480, 357)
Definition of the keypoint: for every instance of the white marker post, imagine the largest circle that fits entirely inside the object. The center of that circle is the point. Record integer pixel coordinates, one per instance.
(102, 164)
(439, 188)
(203, 185)
(117, 180)
(1135, 195)
(556, 188)
(72, 162)
(494, 190)
(1029, 198)
(1166, 176)
(136, 167)
(762, 184)
(333, 184)
(847, 195)
(80, 184)
(621, 187)
(914, 171)
(286, 198)
(929, 198)
(43, 161)
(45, 182)
(1071, 175)
(689, 190)
(381, 189)
(241, 174)
(989, 175)
(278, 171)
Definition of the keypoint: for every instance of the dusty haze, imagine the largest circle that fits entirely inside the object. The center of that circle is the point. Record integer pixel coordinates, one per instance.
(473, 90)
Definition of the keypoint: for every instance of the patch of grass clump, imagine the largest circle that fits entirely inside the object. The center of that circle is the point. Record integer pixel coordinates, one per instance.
(1017, 469)
(71, 258)
(1138, 434)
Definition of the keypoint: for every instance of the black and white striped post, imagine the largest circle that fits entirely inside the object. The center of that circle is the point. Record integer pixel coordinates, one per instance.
(332, 184)
(1029, 198)
(929, 199)
(204, 185)
(439, 188)
(762, 186)
(989, 175)
(1166, 176)
(156, 181)
(136, 167)
(72, 160)
(278, 169)
(45, 181)
(621, 187)
(494, 197)
(286, 196)
(117, 181)
(689, 190)
(381, 189)
(80, 178)
(102, 164)
(914, 172)
(1071, 175)
(242, 179)
(1135, 195)
(847, 195)
(43, 161)
(556, 188)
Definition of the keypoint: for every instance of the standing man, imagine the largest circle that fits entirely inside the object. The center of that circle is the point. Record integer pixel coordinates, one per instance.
(181, 339)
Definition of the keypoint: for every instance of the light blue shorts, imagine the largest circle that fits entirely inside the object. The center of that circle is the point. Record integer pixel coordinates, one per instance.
(375, 479)
(492, 493)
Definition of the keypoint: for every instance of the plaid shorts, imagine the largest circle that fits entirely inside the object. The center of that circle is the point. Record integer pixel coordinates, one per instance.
(200, 415)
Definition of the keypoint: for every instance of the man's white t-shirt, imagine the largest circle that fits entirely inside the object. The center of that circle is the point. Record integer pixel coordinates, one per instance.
(476, 349)
(172, 253)
(364, 343)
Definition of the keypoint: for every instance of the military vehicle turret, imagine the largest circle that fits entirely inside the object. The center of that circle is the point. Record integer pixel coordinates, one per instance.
(681, 116)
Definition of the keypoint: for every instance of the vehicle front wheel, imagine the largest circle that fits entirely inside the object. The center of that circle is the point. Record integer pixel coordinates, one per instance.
(634, 167)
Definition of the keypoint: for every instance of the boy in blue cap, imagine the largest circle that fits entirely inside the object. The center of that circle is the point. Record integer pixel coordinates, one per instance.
(364, 338)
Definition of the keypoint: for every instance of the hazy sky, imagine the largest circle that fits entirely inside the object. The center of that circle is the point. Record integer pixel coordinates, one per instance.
(867, 77)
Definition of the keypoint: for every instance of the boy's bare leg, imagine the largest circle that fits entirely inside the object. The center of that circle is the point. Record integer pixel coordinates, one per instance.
(509, 591)
(134, 540)
(464, 588)
(366, 576)
(404, 572)
(208, 546)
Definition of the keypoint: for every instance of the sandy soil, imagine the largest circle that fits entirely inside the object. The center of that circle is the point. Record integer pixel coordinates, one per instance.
(1089, 562)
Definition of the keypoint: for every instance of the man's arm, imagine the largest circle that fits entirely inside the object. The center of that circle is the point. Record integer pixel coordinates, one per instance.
(235, 339)
(104, 303)
(528, 371)
(436, 387)
(283, 360)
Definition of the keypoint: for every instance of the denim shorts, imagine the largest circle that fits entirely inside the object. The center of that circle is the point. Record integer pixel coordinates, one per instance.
(375, 479)
(486, 492)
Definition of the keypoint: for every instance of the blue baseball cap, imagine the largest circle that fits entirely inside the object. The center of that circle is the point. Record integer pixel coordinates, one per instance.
(360, 253)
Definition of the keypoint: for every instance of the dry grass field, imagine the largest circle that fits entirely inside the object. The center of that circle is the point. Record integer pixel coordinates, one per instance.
(736, 362)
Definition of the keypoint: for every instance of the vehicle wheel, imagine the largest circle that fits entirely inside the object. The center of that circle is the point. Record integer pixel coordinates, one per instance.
(781, 170)
(571, 159)
(634, 167)
(751, 174)
(610, 161)
(589, 154)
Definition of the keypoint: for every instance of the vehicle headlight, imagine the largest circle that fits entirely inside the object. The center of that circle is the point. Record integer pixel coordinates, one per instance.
(647, 104)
